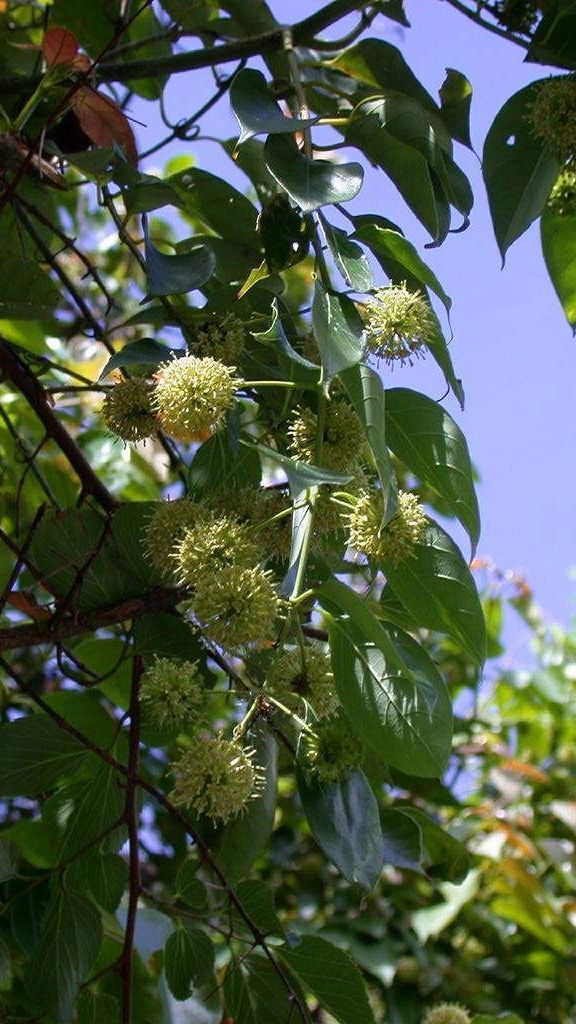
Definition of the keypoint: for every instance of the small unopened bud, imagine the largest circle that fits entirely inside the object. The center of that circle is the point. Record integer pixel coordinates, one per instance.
(553, 115)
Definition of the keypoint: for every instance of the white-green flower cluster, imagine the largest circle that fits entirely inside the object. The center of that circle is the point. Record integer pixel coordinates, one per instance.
(562, 198)
(393, 542)
(342, 442)
(333, 751)
(399, 324)
(192, 396)
(127, 410)
(216, 777)
(172, 692)
(238, 606)
(165, 529)
(448, 1013)
(211, 544)
(299, 676)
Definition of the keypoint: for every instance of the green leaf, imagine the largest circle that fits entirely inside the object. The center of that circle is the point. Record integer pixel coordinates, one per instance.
(188, 961)
(402, 841)
(431, 920)
(558, 236)
(82, 811)
(519, 168)
(107, 877)
(350, 258)
(310, 183)
(189, 888)
(501, 1018)
(426, 438)
(147, 28)
(553, 41)
(343, 818)
(173, 275)
(437, 589)
(442, 854)
(262, 996)
(8, 859)
(369, 128)
(97, 1008)
(258, 902)
(145, 352)
(400, 255)
(26, 292)
(366, 393)
(338, 330)
(213, 204)
(69, 943)
(95, 33)
(34, 755)
(332, 977)
(166, 636)
(220, 466)
(238, 997)
(257, 111)
(35, 842)
(301, 475)
(394, 696)
(377, 63)
(456, 99)
(4, 962)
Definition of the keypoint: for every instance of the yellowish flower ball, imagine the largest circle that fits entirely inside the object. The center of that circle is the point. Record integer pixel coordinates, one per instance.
(213, 543)
(223, 338)
(399, 324)
(166, 526)
(448, 1013)
(304, 676)
(343, 437)
(237, 606)
(217, 777)
(333, 751)
(172, 692)
(193, 395)
(393, 542)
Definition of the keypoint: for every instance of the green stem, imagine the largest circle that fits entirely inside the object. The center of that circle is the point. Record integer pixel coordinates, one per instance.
(241, 728)
(270, 384)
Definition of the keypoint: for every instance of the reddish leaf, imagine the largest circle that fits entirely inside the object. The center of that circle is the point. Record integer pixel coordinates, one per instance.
(103, 121)
(59, 46)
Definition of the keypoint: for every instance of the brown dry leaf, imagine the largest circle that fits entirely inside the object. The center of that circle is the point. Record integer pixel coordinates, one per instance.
(103, 121)
(59, 46)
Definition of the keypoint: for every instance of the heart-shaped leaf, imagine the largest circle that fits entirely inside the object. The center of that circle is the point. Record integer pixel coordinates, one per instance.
(174, 275)
(310, 183)
(256, 109)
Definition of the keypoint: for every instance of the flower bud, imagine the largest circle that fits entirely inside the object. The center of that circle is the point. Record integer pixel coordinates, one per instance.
(223, 339)
(399, 324)
(448, 1013)
(164, 530)
(212, 544)
(343, 437)
(192, 396)
(298, 676)
(393, 542)
(173, 693)
(333, 751)
(217, 777)
(237, 606)
(127, 410)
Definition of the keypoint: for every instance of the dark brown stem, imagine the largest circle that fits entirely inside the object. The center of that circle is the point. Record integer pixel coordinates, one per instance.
(14, 369)
(125, 965)
(161, 599)
(267, 42)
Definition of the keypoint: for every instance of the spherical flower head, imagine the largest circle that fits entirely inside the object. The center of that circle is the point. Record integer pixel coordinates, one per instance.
(562, 199)
(343, 436)
(216, 777)
(448, 1013)
(257, 508)
(237, 606)
(192, 396)
(553, 114)
(298, 676)
(393, 542)
(333, 751)
(164, 529)
(212, 544)
(223, 339)
(173, 694)
(127, 410)
(399, 324)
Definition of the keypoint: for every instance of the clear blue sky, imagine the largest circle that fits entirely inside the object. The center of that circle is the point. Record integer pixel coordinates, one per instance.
(512, 346)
